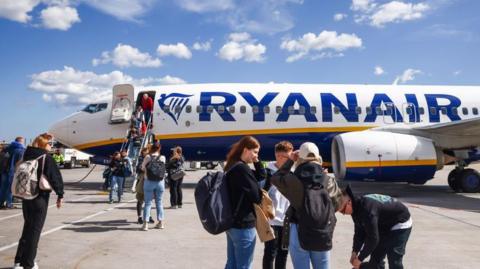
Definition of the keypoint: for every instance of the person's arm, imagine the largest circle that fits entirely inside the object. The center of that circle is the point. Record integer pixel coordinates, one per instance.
(372, 236)
(246, 181)
(288, 184)
(54, 176)
(259, 172)
(145, 162)
(334, 192)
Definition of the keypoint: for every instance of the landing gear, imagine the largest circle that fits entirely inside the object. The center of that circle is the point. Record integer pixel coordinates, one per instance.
(466, 180)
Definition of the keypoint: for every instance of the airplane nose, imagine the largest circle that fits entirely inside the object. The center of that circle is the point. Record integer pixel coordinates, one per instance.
(60, 132)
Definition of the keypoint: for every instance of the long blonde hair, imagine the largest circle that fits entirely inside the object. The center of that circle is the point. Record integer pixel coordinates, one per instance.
(177, 153)
(42, 140)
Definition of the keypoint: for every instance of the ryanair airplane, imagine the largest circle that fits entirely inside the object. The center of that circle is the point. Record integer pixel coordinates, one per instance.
(386, 133)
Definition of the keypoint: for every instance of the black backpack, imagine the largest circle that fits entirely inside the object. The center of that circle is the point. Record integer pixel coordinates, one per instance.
(213, 203)
(155, 169)
(316, 219)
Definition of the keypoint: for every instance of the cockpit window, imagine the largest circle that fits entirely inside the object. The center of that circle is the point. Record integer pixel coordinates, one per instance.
(94, 108)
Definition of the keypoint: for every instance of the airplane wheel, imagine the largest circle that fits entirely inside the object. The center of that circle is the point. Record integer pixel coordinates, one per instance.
(452, 180)
(470, 180)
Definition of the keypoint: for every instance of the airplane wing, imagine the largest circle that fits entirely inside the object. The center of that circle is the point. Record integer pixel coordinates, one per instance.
(461, 134)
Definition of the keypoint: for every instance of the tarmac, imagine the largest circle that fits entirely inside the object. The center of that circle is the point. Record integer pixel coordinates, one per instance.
(90, 233)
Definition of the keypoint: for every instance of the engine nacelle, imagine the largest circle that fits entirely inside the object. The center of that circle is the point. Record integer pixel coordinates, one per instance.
(384, 156)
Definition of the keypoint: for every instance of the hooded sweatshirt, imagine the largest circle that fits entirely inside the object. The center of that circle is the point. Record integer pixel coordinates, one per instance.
(16, 150)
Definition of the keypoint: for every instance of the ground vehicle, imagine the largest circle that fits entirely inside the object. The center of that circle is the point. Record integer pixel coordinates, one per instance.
(73, 157)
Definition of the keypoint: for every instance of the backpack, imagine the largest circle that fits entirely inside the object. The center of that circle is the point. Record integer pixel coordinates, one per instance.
(4, 161)
(213, 203)
(155, 169)
(25, 180)
(316, 219)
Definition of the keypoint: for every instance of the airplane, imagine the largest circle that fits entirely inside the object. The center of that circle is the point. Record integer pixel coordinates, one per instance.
(384, 133)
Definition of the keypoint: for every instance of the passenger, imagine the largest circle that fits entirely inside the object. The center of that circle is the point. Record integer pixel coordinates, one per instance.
(244, 190)
(58, 157)
(15, 151)
(382, 228)
(154, 187)
(139, 186)
(4, 169)
(134, 143)
(295, 186)
(118, 176)
(147, 106)
(273, 252)
(137, 117)
(35, 211)
(175, 165)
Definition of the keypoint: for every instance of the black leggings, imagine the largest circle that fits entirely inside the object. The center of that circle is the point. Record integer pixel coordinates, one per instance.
(176, 195)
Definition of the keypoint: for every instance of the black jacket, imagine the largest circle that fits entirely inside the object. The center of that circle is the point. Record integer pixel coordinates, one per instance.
(374, 215)
(50, 171)
(173, 165)
(244, 189)
(118, 167)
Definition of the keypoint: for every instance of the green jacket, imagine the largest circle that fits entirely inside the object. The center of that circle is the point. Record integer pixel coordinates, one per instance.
(58, 158)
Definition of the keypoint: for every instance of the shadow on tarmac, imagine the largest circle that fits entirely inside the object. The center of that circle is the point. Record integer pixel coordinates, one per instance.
(102, 226)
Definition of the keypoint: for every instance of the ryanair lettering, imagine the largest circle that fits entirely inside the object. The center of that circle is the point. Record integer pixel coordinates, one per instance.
(296, 105)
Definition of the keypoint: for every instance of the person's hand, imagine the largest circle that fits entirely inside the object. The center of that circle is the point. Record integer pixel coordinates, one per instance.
(255, 159)
(325, 171)
(59, 202)
(353, 257)
(294, 155)
(356, 263)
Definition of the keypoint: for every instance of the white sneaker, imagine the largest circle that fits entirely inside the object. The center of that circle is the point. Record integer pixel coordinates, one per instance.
(145, 226)
(35, 266)
(160, 225)
(17, 266)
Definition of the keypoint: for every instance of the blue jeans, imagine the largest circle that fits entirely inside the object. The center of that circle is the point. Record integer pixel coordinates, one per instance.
(116, 185)
(240, 248)
(6, 189)
(301, 258)
(151, 189)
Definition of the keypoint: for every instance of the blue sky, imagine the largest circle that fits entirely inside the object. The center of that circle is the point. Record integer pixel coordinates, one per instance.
(58, 55)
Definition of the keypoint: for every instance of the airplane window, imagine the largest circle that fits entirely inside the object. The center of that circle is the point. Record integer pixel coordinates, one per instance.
(166, 109)
(278, 109)
(378, 110)
(444, 110)
(313, 110)
(266, 109)
(421, 110)
(231, 109)
(199, 109)
(290, 110)
(368, 110)
(336, 110)
(302, 110)
(454, 111)
(389, 111)
(255, 109)
(465, 111)
(475, 111)
(358, 110)
(209, 109)
(243, 109)
(102, 106)
(221, 109)
(90, 108)
(409, 110)
(433, 111)
(188, 109)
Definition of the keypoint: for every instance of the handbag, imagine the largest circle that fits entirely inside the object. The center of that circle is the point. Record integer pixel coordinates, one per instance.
(43, 183)
(267, 205)
(264, 230)
(178, 173)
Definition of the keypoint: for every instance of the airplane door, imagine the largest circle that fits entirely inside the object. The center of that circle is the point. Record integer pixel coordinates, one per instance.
(389, 114)
(122, 103)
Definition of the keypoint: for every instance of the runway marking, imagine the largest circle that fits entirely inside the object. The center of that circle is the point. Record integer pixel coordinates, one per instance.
(19, 214)
(71, 223)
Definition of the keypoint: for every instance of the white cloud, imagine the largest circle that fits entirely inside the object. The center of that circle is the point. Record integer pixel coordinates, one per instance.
(378, 15)
(202, 6)
(326, 40)
(126, 56)
(339, 16)
(241, 46)
(59, 17)
(16, 10)
(457, 72)
(205, 46)
(379, 70)
(72, 87)
(179, 50)
(129, 10)
(407, 75)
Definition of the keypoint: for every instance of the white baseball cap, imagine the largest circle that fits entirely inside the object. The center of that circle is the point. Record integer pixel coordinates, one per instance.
(309, 150)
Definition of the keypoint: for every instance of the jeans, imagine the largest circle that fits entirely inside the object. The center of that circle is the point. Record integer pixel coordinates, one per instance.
(147, 116)
(116, 185)
(240, 248)
(301, 258)
(6, 189)
(176, 192)
(149, 189)
(391, 245)
(34, 214)
(273, 251)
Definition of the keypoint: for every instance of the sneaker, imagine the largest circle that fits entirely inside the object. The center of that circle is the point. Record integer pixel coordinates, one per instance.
(145, 226)
(35, 266)
(140, 220)
(151, 220)
(173, 207)
(160, 225)
(179, 206)
(110, 202)
(17, 266)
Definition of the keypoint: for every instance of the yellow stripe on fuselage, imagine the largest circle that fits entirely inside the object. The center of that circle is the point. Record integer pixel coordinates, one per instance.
(363, 164)
(232, 133)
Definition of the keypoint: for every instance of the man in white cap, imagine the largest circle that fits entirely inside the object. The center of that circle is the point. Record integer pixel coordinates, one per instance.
(314, 197)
